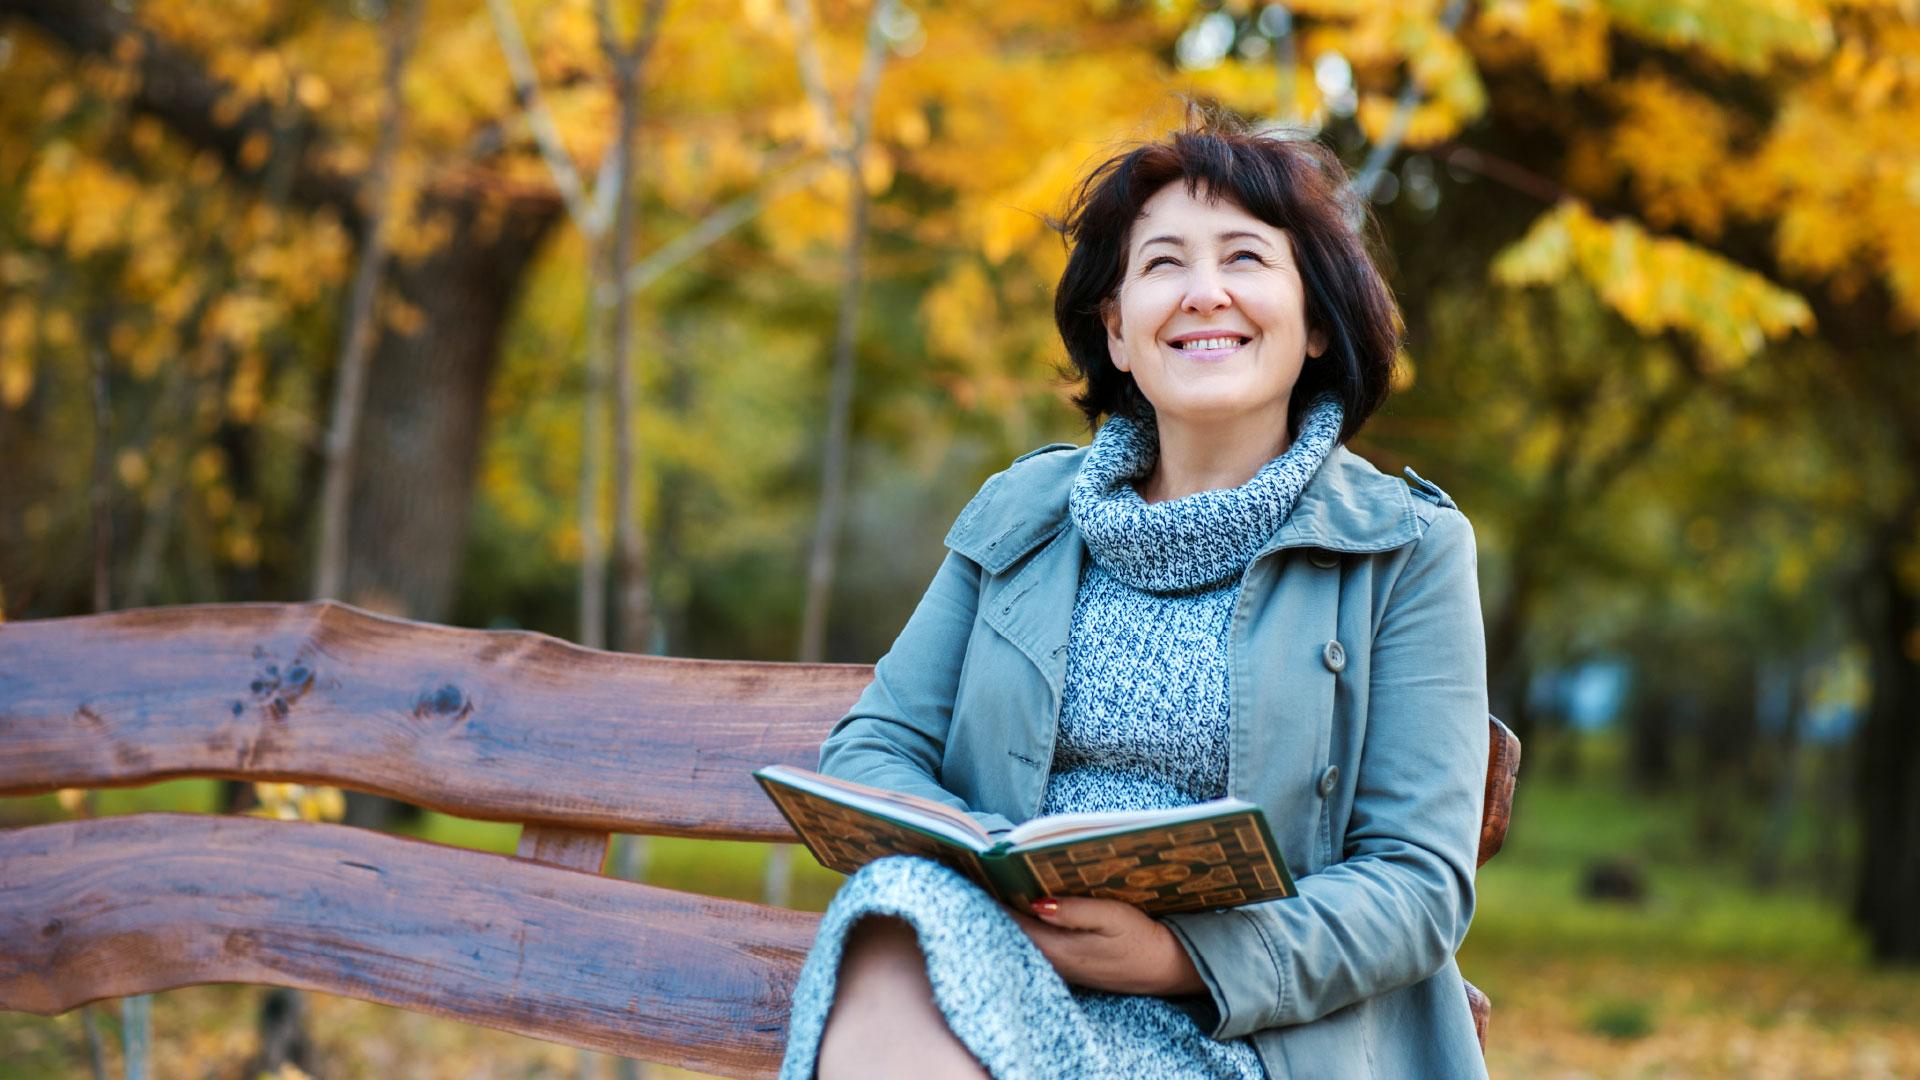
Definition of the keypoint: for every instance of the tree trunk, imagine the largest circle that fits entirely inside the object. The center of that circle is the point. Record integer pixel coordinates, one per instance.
(1508, 669)
(356, 337)
(635, 613)
(1889, 767)
(426, 413)
(1767, 861)
(1729, 733)
(1650, 732)
(823, 559)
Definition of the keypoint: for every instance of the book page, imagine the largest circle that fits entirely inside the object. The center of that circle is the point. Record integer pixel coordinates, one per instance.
(1059, 827)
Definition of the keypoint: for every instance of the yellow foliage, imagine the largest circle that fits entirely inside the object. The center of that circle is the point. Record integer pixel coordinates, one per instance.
(59, 328)
(1843, 182)
(312, 92)
(1015, 217)
(1656, 283)
(131, 465)
(16, 353)
(1429, 123)
(808, 218)
(1749, 34)
(960, 314)
(1675, 146)
(1566, 38)
(910, 129)
(404, 318)
(242, 548)
(299, 802)
(1244, 87)
(244, 392)
(876, 169)
(16, 379)
(208, 465)
(1402, 375)
(78, 202)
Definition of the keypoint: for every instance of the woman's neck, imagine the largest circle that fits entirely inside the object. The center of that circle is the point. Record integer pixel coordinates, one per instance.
(1212, 456)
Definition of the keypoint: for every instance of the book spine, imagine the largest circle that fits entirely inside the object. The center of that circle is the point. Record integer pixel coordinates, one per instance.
(1012, 883)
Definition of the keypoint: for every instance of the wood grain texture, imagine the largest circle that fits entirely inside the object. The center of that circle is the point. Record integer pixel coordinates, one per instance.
(1503, 770)
(500, 725)
(117, 906)
(573, 849)
(1482, 1009)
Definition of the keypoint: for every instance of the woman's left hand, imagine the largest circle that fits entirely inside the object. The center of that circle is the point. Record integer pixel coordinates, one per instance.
(1110, 945)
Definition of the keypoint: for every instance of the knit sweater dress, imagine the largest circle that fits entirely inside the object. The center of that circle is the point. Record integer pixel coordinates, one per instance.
(1143, 725)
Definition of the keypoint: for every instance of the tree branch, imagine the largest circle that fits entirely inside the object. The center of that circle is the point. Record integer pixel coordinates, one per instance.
(546, 134)
(718, 224)
(1410, 93)
(813, 72)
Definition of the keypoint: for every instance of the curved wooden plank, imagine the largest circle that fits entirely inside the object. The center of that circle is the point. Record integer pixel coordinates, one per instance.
(1503, 769)
(479, 723)
(1482, 1009)
(126, 905)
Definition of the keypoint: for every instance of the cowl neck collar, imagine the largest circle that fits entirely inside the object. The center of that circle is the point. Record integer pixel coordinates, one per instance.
(1197, 541)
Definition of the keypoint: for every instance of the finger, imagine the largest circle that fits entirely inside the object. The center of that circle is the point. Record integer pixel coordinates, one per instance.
(1055, 945)
(1048, 938)
(1087, 913)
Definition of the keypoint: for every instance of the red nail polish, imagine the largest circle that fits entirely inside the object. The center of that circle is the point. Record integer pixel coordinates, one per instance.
(1045, 907)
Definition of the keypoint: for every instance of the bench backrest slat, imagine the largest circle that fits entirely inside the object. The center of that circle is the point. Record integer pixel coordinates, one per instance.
(500, 725)
(116, 906)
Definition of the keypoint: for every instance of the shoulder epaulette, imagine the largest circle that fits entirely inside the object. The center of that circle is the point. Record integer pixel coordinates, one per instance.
(1047, 449)
(1429, 490)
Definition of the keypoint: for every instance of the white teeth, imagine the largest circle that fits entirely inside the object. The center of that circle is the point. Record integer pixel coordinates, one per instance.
(1211, 343)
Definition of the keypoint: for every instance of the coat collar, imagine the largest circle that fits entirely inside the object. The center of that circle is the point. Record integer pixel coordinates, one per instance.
(1349, 506)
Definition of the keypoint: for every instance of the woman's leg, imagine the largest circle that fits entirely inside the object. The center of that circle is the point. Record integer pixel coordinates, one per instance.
(883, 1022)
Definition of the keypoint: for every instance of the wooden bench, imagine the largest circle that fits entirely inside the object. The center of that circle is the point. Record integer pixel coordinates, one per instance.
(573, 743)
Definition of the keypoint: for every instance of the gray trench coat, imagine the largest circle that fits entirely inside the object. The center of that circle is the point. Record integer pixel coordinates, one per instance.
(1358, 723)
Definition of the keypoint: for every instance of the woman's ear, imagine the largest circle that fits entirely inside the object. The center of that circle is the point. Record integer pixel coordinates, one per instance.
(1110, 315)
(1316, 342)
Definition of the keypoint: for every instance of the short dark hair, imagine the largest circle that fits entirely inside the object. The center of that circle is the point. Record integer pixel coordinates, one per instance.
(1295, 184)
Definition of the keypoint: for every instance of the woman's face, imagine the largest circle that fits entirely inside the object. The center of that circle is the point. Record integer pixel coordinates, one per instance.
(1211, 315)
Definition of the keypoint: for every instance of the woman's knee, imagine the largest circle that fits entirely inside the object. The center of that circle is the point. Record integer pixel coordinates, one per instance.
(885, 948)
(884, 1021)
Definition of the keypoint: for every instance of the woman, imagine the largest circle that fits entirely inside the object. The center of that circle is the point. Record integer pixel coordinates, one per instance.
(1214, 598)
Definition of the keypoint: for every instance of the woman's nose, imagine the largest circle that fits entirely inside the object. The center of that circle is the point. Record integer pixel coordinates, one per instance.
(1205, 294)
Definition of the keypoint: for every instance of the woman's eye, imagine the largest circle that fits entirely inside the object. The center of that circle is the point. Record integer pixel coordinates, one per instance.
(1249, 254)
(1156, 261)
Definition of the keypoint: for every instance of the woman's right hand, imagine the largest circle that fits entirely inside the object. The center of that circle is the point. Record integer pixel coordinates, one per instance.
(1110, 945)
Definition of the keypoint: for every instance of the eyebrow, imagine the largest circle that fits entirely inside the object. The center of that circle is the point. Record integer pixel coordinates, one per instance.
(1223, 238)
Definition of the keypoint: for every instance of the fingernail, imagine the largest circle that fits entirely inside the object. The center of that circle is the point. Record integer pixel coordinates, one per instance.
(1045, 907)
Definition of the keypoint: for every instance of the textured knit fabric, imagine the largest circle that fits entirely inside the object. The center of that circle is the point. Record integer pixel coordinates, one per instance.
(1202, 539)
(1143, 724)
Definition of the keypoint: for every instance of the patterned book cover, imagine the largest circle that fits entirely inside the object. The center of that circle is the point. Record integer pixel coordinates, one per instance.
(1196, 865)
(845, 839)
(1221, 861)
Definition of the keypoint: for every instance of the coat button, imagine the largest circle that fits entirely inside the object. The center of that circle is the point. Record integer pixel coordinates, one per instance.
(1335, 656)
(1328, 779)
(1325, 560)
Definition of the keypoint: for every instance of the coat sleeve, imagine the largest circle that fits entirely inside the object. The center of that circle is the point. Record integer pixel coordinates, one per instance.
(895, 734)
(1396, 908)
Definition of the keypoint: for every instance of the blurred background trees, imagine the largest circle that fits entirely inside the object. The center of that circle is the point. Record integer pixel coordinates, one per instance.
(1660, 266)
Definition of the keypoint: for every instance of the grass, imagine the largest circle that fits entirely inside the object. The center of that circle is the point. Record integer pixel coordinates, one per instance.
(1706, 977)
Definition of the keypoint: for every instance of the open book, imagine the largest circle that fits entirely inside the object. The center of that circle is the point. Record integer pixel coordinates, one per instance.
(1209, 855)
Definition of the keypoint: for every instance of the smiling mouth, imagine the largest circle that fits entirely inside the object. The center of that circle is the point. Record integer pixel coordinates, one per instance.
(1211, 348)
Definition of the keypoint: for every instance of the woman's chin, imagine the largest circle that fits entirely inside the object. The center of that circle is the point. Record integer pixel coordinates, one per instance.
(1223, 409)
